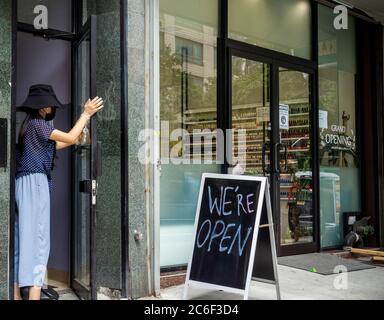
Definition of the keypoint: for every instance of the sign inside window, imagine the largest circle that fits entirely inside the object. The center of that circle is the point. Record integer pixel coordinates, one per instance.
(284, 117)
(338, 138)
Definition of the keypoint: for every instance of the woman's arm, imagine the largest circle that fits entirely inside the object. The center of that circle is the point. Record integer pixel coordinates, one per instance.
(62, 145)
(64, 139)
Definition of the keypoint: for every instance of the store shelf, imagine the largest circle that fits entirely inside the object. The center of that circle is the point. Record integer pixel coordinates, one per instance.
(298, 150)
(202, 133)
(250, 141)
(299, 127)
(245, 117)
(199, 122)
(291, 115)
(296, 138)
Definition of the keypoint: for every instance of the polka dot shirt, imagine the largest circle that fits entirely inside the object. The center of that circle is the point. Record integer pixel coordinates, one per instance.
(38, 152)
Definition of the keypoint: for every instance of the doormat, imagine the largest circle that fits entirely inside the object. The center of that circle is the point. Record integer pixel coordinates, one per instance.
(322, 263)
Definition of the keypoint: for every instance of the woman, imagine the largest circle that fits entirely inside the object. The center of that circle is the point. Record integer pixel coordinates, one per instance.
(38, 142)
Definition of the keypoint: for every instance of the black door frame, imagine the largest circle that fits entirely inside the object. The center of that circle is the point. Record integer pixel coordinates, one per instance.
(226, 49)
(253, 53)
(87, 31)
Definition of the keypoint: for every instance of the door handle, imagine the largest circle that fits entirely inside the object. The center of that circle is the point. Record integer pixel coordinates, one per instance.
(277, 149)
(285, 157)
(264, 157)
(94, 192)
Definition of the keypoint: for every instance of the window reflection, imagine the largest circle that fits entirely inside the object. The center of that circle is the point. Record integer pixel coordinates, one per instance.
(339, 157)
(188, 33)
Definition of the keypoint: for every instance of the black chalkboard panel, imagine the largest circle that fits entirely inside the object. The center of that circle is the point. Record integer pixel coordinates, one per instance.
(263, 264)
(3, 142)
(224, 233)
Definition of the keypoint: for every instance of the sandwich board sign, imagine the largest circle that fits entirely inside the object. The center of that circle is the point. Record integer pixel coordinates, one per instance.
(234, 239)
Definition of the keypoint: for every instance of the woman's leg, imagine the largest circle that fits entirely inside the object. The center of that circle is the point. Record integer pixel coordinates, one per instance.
(17, 293)
(34, 217)
(34, 293)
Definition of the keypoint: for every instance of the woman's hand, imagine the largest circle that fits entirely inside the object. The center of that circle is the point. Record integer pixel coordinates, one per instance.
(67, 139)
(93, 106)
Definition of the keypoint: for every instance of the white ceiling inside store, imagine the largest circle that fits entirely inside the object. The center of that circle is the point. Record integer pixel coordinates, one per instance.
(374, 8)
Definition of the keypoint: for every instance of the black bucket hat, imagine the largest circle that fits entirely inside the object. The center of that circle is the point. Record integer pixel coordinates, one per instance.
(40, 96)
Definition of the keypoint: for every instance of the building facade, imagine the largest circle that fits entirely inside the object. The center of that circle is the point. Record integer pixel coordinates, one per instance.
(288, 89)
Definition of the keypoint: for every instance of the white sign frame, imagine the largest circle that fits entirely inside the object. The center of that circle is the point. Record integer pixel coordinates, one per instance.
(264, 190)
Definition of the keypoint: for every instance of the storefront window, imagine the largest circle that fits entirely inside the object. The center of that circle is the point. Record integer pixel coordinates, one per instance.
(188, 33)
(283, 26)
(339, 156)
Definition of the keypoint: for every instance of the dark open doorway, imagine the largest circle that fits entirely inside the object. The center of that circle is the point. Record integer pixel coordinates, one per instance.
(63, 56)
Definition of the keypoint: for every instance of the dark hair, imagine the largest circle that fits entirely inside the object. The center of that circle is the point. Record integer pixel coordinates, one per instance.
(32, 114)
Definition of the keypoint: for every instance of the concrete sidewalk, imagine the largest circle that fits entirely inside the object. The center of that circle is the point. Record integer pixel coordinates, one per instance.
(298, 284)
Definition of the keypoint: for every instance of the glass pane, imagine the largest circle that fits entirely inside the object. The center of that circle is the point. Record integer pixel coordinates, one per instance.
(188, 33)
(283, 26)
(59, 13)
(250, 114)
(339, 156)
(296, 193)
(83, 154)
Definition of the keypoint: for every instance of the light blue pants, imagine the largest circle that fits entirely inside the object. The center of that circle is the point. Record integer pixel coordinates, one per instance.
(32, 230)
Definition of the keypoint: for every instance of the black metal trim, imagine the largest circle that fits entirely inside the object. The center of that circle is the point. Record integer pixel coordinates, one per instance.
(314, 91)
(332, 248)
(270, 56)
(94, 173)
(46, 33)
(377, 99)
(124, 161)
(223, 76)
(379, 127)
(12, 203)
(89, 30)
(360, 136)
(175, 268)
(85, 31)
(362, 115)
(274, 176)
(227, 48)
(74, 68)
(359, 113)
(76, 5)
(296, 249)
(274, 66)
(77, 15)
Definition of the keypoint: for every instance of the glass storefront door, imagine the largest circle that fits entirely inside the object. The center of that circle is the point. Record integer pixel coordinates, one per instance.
(271, 136)
(85, 167)
(296, 187)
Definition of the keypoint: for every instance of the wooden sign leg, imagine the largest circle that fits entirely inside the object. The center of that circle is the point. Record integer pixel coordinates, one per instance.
(272, 237)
